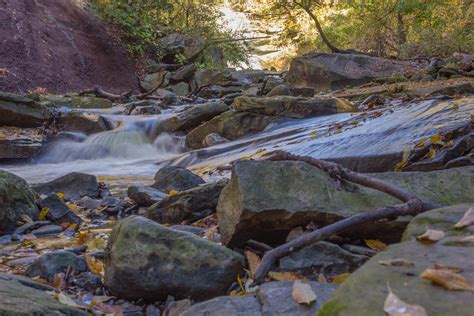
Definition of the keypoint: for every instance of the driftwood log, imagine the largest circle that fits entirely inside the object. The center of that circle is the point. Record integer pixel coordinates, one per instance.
(411, 205)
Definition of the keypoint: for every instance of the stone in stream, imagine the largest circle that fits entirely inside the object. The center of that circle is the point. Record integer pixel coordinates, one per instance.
(146, 260)
(22, 296)
(181, 206)
(153, 80)
(145, 196)
(20, 111)
(73, 185)
(47, 230)
(213, 139)
(54, 262)
(17, 200)
(85, 122)
(324, 71)
(322, 257)
(17, 144)
(176, 178)
(373, 279)
(294, 107)
(81, 102)
(88, 281)
(265, 200)
(58, 211)
(272, 298)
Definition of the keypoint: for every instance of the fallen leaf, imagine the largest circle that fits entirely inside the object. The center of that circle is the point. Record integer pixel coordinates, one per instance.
(455, 106)
(114, 310)
(26, 218)
(42, 215)
(172, 192)
(286, 276)
(421, 143)
(432, 153)
(253, 260)
(394, 306)
(303, 293)
(67, 300)
(467, 219)
(437, 139)
(322, 278)
(340, 278)
(431, 235)
(438, 266)
(375, 244)
(60, 195)
(398, 262)
(448, 279)
(59, 281)
(96, 266)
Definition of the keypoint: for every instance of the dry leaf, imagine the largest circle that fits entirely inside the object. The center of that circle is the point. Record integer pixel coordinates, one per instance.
(398, 262)
(303, 293)
(59, 281)
(375, 244)
(467, 219)
(253, 260)
(42, 215)
(114, 310)
(450, 280)
(432, 153)
(322, 278)
(60, 195)
(431, 235)
(26, 218)
(421, 143)
(66, 300)
(394, 306)
(172, 192)
(438, 266)
(437, 139)
(96, 266)
(286, 276)
(340, 278)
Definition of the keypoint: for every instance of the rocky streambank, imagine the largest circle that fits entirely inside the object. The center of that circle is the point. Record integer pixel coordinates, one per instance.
(188, 241)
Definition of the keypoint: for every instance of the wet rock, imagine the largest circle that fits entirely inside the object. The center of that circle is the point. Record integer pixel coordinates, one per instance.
(176, 43)
(176, 208)
(206, 77)
(22, 296)
(189, 229)
(58, 211)
(265, 200)
(226, 305)
(81, 102)
(359, 250)
(372, 278)
(184, 73)
(19, 111)
(147, 110)
(167, 97)
(294, 107)
(176, 178)
(89, 203)
(152, 310)
(80, 121)
(230, 125)
(145, 196)
(88, 281)
(153, 80)
(467, 160)
(5, 239)
(55, 262)
(28, 227)
(322, 257)
(180, 89)
(17, 199)
(48, 230)
(213, 139)
(247, 76)
(142, 107)
(149, 261)
(73, 185)
(18, 144)
(324, 71)
(193, 116)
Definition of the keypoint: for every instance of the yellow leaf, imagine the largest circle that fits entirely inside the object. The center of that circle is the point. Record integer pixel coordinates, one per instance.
(286, 276)
(431, 235)
(340, 278)
(72, 207)
(438, 266)
(394, 306)
(26, 218)
(60, 195)
(95, 243)
(467, 219)
(448, 279)
(432, 153)
(455, 106)
(303, 293)
(253, 260)
(437, 139)
(172, 192)
(421, 143)
(42, 215)
(96, 266)
(246, 157)
(375, 244)
(398, 262)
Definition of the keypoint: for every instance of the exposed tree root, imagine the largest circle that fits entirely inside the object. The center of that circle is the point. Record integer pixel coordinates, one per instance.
(412, 206)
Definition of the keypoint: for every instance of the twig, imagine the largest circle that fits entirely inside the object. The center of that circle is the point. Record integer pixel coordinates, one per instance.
(259, 245)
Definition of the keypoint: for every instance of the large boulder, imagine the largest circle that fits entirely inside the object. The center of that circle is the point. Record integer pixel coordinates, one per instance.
(58, 211)
(73, 185)
(324, 71)
(155, 80)
(373, 279)
(145, 196)
(17, 199)
(20, 143)
(178, 207)
(81, 102)
(85, 122)
(230, 125)
(176, 43)
(294, 107)
(192, 117)
(264, 199)
(21, 296)
(54, 262)
(20, 111)
(184, 73)
(176, 178)
(146, 260)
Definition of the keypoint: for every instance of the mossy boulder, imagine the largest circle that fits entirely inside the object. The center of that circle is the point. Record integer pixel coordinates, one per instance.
(146, 260)
(365, 291)
(80, 102)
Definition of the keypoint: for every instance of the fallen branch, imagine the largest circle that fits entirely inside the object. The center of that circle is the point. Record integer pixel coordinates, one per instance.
(412, 206)
(99, 92)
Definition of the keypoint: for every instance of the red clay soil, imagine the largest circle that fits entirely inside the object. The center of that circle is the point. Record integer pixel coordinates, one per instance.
(60, 46)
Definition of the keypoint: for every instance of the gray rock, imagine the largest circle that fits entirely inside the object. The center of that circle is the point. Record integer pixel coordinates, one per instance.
(21, 147)
(81, 102)
(16, 199)
(89, 203)
(184, 73)
(28, 227)
(180, 89)
(58, 261)
(266, 199)
(189, 229)
(85, 122)
(359, 250)
(149, 261)
(88, 281)
(321, 257)
(176, 178)
(22, 296)
(48, 230)
(145, 196)
(19, 111)
(5, 239)
(176, 43)
(153, 80)
(152, 310)
(272, 82)
(324, 71)
(181, 206)
(73, 185)
(213, 139)
(168, 97)
(58, 211)
(226, 305)
(372, 278)
(279, 90)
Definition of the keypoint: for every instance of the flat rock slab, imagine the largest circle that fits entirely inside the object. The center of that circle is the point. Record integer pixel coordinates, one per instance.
(365, 291)
(73, 185)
